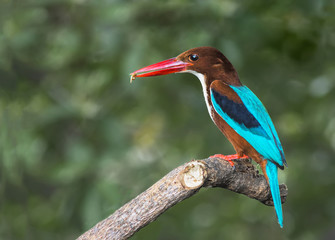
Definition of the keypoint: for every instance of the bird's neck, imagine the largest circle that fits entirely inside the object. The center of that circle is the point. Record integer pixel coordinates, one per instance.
(227, 75)
(205, 89)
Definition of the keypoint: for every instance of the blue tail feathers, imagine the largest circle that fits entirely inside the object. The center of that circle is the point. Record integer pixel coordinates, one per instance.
(272, 173)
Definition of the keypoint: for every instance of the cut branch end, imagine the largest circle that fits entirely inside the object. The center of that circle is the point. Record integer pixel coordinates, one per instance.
(194, 175)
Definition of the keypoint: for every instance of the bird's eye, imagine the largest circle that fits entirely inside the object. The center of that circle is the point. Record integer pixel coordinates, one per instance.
(193, 57)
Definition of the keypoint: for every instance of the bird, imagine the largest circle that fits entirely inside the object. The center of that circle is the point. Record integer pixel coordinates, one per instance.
(234, 109)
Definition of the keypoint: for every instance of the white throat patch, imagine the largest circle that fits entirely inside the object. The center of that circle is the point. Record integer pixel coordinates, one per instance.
(202, 79)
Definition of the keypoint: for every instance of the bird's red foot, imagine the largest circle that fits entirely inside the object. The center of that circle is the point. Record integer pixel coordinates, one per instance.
(229, 158)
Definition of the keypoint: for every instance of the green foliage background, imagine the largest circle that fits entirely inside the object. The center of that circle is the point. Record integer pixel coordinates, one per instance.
(77, 141)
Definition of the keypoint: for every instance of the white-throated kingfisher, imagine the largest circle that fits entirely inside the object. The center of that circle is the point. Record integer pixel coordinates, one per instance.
(234, 109)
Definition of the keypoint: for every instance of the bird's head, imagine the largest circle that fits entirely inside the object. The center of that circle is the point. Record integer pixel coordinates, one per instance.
(206, 61)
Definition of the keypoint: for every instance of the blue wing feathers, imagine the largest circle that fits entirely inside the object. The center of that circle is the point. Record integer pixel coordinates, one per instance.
(251, 121)
(259, 111)
(238, 112)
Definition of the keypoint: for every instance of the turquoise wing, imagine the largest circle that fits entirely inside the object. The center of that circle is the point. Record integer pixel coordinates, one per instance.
(251, 121)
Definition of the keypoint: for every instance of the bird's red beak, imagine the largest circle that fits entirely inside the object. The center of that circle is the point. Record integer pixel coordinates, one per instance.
(171, 65)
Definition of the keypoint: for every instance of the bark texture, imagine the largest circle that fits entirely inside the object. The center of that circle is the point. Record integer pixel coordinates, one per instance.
(178, 185)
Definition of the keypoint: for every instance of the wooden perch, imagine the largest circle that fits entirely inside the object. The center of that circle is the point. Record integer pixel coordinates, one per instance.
(178, 185)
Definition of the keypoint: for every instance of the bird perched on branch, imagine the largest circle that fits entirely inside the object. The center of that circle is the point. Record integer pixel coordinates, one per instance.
(235, 110)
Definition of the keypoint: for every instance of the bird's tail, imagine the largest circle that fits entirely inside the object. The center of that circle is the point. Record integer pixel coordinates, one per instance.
(272, 173)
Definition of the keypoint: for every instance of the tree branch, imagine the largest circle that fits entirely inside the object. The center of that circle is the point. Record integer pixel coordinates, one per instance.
(178, 185)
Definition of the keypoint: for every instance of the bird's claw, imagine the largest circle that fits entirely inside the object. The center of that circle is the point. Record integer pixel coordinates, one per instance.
(226, 158)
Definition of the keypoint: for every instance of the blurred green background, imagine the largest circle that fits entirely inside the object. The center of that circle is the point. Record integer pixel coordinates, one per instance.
(77, 141)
